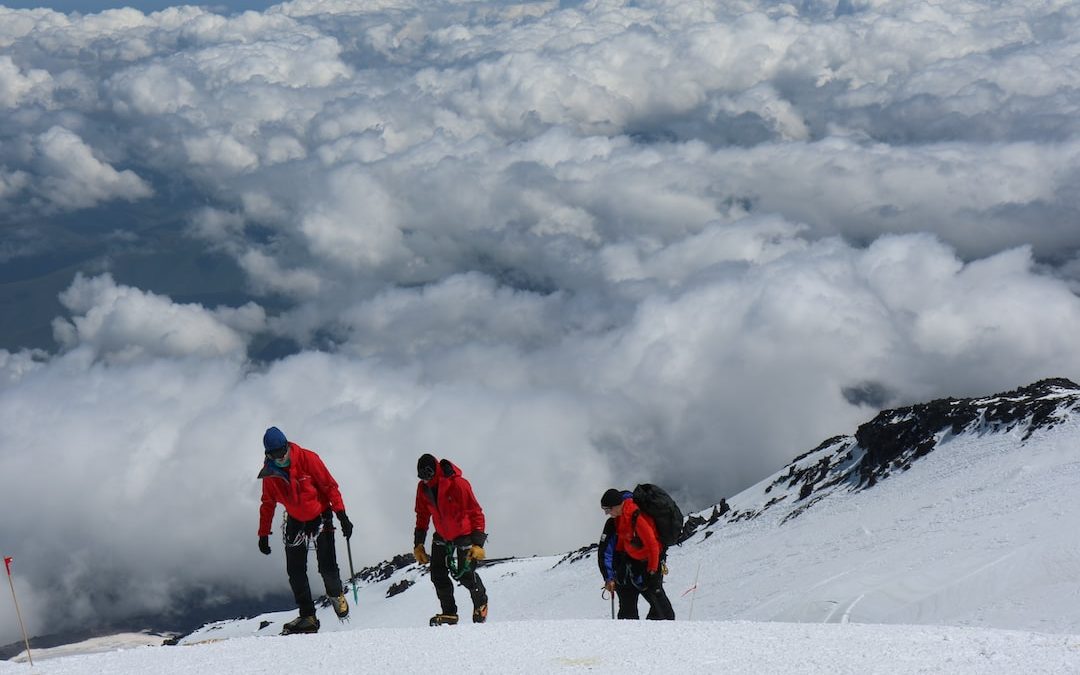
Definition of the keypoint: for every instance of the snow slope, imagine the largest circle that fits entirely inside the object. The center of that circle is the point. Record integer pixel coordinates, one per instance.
(930, 560)
(982, 531)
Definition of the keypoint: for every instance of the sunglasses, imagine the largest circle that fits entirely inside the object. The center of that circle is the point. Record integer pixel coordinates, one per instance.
(606, 509)
(277, 453)
(426, 473)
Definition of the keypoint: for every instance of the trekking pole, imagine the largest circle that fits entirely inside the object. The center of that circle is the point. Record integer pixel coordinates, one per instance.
(612, 605)
(352, 574)
(26, 640)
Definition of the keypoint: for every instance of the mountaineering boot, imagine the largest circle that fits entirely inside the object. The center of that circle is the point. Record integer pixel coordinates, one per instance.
(340, 605)
(443, 620)
(479, 615)
(301, 624)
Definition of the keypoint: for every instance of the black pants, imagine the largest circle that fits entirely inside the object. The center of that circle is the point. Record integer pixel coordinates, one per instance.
(297, 535)
(635, 581)
(628, 600)
(440, 576)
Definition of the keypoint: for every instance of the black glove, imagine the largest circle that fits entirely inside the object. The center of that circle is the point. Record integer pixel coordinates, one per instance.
(264, 544)
(346, 524)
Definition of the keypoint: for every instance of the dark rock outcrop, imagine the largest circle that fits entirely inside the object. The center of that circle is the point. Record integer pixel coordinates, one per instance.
(897, 437)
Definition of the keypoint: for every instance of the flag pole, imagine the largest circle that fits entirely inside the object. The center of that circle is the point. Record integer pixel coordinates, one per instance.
(26, 640)
(697, 574)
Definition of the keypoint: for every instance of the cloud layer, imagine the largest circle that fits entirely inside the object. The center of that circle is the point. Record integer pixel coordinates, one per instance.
(568, 245)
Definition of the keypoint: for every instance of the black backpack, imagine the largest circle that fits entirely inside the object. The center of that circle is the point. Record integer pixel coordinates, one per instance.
(658, 505)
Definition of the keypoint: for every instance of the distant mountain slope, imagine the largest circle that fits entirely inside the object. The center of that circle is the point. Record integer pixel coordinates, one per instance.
(896, 438)
(956, 511)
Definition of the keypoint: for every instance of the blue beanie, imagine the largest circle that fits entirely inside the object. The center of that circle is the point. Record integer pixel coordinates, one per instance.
(274, 439)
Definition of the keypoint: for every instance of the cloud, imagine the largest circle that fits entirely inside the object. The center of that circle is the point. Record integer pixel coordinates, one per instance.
(333, 233)
(123, 324)
(269, 275)
(12, 182)
(447, 315)
(73, 178)
(14, 365)
(221, 151)
(288, 60)
(16, 87)
(151, 90)
(567, 245)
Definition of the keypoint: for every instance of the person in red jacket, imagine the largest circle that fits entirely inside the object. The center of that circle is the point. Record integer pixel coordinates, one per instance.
(637, 538)
(296, 478)
(445, 498)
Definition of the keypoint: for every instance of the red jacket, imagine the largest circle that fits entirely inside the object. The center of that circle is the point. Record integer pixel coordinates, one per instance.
(646, 546)
(454, 511)
(308, 491)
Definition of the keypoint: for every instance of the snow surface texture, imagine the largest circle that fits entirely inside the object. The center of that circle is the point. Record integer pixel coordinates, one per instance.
(973, 538)
(109, 643)
(603, 647)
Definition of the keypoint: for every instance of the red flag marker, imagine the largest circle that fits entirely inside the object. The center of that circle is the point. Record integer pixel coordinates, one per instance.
(7, 564)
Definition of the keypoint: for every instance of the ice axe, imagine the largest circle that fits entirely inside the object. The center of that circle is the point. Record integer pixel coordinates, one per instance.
(352, 574)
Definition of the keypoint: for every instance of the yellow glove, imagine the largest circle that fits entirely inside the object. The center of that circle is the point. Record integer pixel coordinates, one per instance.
(420, 554)
(663, 568)
(476, 552)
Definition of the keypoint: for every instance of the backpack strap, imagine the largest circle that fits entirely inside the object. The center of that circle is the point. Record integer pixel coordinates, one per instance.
(635, 540)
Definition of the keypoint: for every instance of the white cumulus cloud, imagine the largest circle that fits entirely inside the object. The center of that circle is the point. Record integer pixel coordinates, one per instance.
(73, 177)
(123, 324)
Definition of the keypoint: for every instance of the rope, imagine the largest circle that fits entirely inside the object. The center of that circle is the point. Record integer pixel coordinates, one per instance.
(303, 537)
(452, 562)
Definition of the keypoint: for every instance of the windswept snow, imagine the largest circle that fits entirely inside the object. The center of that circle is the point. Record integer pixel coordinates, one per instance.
(576, 646)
